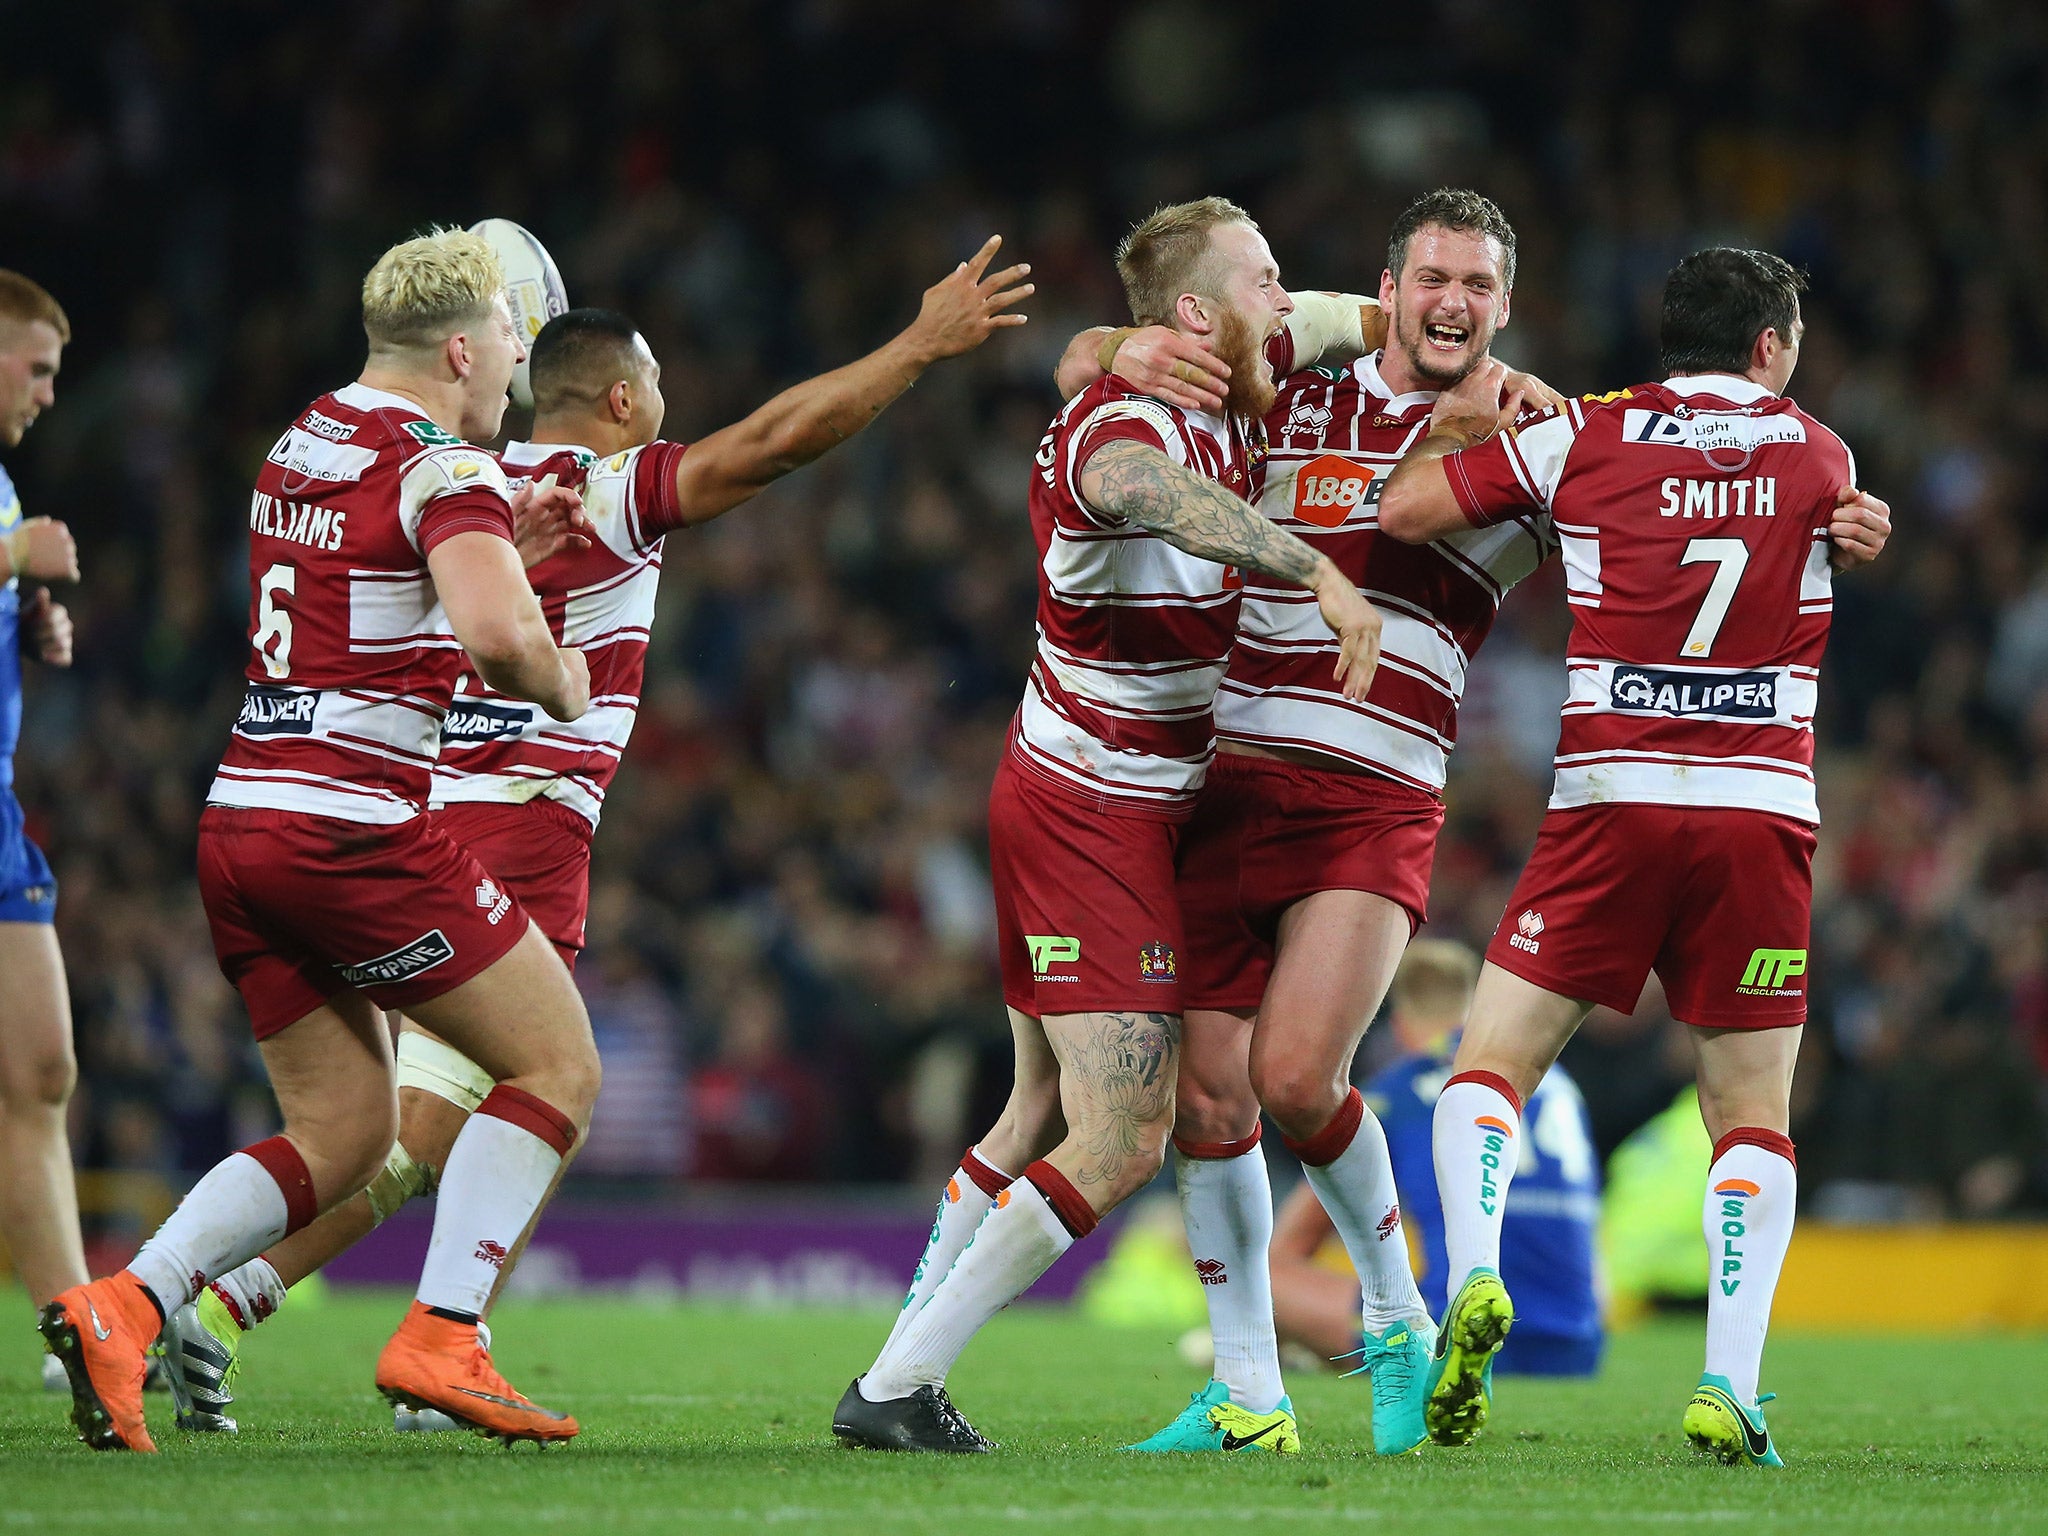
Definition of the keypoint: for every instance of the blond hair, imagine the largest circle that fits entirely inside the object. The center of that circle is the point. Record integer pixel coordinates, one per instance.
(429, 288)
(1435, 980)
(25, 301)
(1168, 253)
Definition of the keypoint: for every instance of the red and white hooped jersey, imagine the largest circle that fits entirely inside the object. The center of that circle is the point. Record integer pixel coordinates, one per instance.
(1693, 517)
(1132, 632)
(598, 600)
(1331, 440)
(351, 668)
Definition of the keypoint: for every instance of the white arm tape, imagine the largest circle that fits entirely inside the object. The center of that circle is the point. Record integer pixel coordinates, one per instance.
(1326, 328)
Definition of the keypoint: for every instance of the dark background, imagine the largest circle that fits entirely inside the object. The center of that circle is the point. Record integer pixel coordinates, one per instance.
(790, 968)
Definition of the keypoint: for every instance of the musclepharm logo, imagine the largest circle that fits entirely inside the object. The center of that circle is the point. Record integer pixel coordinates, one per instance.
(1527, 929)
(1492, 1148)
(1049, 950)
(1770, 970)
(1734, 1228)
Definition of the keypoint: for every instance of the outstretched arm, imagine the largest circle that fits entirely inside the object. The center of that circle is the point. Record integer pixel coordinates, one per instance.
(1142, 485)
(959, 313)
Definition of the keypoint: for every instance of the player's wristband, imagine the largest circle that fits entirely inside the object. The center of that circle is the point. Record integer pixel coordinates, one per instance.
(1458, 437)
(1106, 353)
(15, 542)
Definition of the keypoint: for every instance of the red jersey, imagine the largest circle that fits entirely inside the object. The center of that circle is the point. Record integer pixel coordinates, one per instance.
(598, 600)
(1132, 632)
(1333, 440)
(1693, 517)
(351, 669)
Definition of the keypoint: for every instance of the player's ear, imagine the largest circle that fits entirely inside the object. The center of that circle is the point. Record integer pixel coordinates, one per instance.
(1507, 296)
(620, 399)
(456, 351)
(1196, 313)
(1387, 289)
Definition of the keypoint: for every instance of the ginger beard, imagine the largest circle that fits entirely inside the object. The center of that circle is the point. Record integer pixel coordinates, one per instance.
(1252, 390)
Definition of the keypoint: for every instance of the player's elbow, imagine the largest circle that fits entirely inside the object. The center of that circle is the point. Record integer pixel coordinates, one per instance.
(499, 646)
(1402, 515)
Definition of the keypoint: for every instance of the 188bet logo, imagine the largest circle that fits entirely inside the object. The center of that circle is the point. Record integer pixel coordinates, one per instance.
(1327, 490)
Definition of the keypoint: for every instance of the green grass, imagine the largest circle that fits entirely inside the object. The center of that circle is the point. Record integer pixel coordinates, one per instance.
(698, 1420)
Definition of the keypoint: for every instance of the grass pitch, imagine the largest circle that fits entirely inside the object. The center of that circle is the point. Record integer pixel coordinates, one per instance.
(698, 1420)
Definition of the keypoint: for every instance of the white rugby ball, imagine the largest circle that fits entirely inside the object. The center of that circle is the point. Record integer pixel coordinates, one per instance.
(533, 287)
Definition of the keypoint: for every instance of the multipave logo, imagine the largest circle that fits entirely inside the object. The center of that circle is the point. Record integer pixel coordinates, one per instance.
(1735, 1197)
(1720, 695)
(276, 711)
(1049, 950)
(476, 720)
(1212, 1272)
(1492, 1147)
(1527, 929)
(488, 895)
(1768, 972)
(403, 963)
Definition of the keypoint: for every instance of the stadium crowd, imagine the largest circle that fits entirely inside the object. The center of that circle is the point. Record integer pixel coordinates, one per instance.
(790, 970)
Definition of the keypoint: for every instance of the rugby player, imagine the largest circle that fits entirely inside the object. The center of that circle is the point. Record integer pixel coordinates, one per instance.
(1305, 868)
(523, 792)
(331, 896)
(1702, 519)
(1138, 513)
(38, 1199)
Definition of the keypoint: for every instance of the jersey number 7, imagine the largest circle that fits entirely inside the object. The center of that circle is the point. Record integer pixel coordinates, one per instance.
(1729, 556)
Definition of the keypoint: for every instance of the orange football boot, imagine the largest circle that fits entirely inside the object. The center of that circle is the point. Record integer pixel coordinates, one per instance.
(101, 1332)
(436, 1362)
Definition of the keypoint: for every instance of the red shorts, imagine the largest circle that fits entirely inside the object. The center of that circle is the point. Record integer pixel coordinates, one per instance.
(1085, 912)
(1266, 834)
(540, 851)
(302, 907)
(1718, 902)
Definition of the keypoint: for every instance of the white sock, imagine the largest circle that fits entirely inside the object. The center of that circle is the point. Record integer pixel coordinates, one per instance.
(1017, 1241)
(252, 1293)
(1474, 1137)
(1751, 1192)
(961, 1207)
(1357, 1188)
(1226, 1204)
(246, 1202)
(498, 1173)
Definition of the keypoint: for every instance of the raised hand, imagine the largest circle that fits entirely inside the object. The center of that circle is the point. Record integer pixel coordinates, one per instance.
(1858, 529)
(1525, 392)
(1471, 408)
(41, 548)
(1158, 361)
(965, 308)
(47, 625)
(548, 518)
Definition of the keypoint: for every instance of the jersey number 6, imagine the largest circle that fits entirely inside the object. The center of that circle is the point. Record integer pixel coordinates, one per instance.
(273, 637)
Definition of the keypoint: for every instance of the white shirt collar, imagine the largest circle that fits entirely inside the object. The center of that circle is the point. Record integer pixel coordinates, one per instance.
(1722, 386)
(361, 397)
(1367, 370)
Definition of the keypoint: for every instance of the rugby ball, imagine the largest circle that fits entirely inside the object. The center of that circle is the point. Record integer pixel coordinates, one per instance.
(533, 287)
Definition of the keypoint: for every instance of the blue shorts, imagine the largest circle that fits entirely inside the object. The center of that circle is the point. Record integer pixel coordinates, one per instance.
(28, 889)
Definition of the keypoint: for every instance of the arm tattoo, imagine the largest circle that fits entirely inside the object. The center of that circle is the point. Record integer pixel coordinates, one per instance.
(1130, 480)
(1119, 1082)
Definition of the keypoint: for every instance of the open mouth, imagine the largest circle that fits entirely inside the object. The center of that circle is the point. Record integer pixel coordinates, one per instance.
(1444, 337)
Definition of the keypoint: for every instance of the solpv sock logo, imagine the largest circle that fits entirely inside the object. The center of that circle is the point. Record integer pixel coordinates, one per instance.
(1735, 1197)
(1049, 950)
(1491, 1149)
(1769, 970)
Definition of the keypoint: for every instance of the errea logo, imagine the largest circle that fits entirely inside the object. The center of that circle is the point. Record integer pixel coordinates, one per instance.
(1528, 929)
